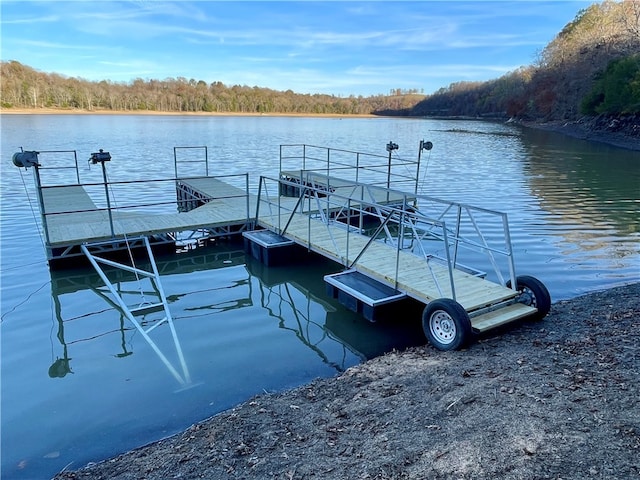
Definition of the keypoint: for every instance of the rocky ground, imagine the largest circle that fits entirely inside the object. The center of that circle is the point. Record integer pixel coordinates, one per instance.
(621, 131)
(556, 399)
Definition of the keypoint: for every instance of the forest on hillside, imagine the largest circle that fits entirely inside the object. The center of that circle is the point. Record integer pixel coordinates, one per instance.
(25, 87)
(591, 67)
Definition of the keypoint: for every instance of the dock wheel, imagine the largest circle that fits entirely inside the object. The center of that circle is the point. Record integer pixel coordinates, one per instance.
(446, 324)
(532, 292)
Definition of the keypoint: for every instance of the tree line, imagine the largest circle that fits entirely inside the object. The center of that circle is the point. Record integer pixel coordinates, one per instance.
(25, 87)
(591, 67)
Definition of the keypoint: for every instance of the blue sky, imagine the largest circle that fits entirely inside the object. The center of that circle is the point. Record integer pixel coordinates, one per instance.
(337, 47)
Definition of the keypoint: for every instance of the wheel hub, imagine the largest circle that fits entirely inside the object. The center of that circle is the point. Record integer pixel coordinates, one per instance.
(527, 297)
(443, 327)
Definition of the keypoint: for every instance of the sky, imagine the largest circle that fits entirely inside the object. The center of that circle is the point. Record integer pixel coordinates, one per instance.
(339, 48)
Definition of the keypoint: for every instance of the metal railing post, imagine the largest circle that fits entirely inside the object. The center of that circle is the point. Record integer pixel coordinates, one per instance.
(455, 247)
(106, 192)
(45, 225)
(449, 264)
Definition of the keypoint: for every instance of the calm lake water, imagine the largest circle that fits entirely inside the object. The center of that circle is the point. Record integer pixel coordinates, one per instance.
(79, 384)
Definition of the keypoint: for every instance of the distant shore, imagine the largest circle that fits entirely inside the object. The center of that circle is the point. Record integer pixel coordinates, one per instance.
(76, 111)
(576, 129)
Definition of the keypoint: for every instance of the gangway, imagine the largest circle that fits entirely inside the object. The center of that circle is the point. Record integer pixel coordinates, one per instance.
(414, 250)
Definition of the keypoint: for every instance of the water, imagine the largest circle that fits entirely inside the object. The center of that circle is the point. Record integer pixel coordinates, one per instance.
(80, 384)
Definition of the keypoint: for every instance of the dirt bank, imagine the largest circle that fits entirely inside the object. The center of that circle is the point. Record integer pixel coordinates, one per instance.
(554, 399)
(619, 131)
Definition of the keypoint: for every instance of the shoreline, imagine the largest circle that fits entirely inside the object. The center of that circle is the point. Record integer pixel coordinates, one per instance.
(64, 111)
(583, 130)
(551, 399)
(590, 132)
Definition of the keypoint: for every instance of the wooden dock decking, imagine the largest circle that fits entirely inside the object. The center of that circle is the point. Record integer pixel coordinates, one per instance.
(422, 280)
(73, 218)
(346, 188)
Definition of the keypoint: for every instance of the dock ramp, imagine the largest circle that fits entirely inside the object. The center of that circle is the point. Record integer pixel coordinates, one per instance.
(409, 247)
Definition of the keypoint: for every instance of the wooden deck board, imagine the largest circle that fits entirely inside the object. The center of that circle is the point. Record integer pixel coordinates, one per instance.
(357, 193)
(212, 187)
(67, 198)
(227, 205)
(88, 223)
(415, 274)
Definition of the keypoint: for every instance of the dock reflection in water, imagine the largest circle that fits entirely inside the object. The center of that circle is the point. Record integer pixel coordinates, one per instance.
(244, 329)
(294, 296)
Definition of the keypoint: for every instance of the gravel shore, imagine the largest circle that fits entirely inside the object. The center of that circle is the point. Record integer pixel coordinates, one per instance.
(555, 399)
(597, 129)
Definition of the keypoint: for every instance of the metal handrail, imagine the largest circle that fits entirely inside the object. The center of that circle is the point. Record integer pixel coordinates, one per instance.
(307, 158)
(418, 224)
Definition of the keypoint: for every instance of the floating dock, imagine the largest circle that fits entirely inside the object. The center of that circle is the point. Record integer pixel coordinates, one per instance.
(392, 245)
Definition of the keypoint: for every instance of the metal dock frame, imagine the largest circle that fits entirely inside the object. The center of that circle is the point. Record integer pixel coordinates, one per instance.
(413, 248)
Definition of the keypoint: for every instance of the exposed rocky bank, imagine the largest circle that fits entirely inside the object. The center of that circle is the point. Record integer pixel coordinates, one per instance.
(620, 131)
(554, 399)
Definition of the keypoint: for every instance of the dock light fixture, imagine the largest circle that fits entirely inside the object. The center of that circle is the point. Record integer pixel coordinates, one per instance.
(424, 145)
(25, 159)
(100, 157)
(390, 148)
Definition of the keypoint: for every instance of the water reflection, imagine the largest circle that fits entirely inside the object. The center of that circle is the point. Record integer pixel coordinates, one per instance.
(293, 297)
(589, 183)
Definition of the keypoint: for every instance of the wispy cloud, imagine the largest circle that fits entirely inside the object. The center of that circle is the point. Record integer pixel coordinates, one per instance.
(324, 47)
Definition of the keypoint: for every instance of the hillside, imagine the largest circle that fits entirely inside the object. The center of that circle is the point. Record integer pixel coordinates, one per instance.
(592, 67)
(24, 87)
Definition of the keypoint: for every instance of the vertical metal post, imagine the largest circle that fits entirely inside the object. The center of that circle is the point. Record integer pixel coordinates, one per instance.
(348, 228)
(390, 148)
(389, 167)
(418, 166)
(423, 146)
(400, 237)
(455, 247)
(75, 157)
(106, 192)
(449, 264)
(45, 227)
(206, 161)
(259, 198)
(328, 163)
(246, 186)
(304, 157)
(175, 161)
(507, 239)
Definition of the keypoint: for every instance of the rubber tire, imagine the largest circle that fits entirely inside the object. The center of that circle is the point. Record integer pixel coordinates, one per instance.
(533, 293)
(446, 324)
